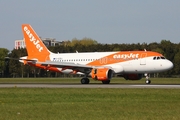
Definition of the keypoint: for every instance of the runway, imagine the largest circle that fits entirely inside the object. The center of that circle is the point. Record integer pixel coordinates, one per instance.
(46, 85)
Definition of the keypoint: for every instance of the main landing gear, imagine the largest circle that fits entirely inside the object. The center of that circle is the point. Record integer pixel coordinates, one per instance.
(85, 80)
(106, 82)
(147, 79)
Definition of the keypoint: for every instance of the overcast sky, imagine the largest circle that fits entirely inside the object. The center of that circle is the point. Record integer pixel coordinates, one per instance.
(106, 21)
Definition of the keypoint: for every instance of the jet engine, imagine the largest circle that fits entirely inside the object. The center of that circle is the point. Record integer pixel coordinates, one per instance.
(101, 74)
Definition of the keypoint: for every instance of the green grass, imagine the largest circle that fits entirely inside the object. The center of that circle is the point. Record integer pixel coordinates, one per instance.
(89, 104)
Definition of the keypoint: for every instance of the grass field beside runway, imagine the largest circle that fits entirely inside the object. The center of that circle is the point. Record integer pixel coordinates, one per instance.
(77, 80)
(89, 104)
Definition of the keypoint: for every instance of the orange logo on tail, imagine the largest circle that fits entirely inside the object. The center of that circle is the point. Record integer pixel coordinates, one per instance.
(35, 47)
(32, 39)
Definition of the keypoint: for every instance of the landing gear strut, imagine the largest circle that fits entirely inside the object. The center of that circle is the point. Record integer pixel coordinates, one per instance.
(147, 79)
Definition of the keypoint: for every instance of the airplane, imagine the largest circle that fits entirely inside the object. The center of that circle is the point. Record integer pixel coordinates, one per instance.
(101, 66)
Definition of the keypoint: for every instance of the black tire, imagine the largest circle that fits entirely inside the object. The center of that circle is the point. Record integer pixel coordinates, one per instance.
(84, 81)
(148, 81)
(87, 81)
(106, 82)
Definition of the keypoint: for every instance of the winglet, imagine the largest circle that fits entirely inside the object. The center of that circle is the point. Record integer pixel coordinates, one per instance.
(35, 47)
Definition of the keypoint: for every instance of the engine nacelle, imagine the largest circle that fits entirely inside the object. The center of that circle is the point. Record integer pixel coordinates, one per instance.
(101, 74)
(133, 76)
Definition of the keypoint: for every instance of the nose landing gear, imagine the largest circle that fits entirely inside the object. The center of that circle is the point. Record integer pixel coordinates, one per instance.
(147, 78)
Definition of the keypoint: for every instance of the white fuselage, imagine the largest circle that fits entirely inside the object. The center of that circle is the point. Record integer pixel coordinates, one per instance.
(135, 65)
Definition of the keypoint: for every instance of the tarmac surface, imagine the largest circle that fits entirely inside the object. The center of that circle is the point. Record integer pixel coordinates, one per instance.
(46, 85)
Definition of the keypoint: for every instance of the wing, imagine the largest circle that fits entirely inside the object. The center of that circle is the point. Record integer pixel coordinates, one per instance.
(66, 65)
(63, 64)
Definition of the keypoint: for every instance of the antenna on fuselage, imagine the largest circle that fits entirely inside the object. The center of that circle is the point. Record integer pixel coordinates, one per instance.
(144, 49)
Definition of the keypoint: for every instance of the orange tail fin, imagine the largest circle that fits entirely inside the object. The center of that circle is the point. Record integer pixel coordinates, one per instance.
(35, 47)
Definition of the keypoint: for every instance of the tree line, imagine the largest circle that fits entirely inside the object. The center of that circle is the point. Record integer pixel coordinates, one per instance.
(13, 68)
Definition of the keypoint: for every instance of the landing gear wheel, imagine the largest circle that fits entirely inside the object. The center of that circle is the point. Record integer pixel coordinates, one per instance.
(147, 78)
(148, 81)
(84, 81)
(106, 82)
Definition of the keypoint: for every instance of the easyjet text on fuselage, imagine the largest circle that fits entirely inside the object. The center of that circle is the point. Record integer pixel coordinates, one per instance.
(126, 56)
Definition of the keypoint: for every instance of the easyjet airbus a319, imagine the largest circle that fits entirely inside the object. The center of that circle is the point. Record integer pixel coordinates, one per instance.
(131, 65)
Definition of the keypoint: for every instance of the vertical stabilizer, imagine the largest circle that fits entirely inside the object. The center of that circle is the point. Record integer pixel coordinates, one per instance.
(34, 45)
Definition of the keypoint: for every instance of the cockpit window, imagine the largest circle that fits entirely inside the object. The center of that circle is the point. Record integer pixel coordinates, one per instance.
(162, 57)
(158, 57)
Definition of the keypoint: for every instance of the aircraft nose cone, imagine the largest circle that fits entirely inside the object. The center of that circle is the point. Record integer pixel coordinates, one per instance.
(169, 65)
